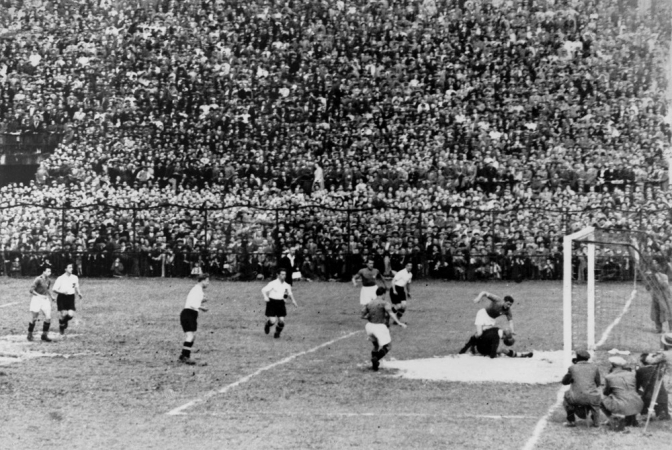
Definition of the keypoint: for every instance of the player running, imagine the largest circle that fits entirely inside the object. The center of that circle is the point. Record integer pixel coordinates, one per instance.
(377, 312)
(275, 294)
(401, 290)
(368, 275)
(66, 286)
(40, 302)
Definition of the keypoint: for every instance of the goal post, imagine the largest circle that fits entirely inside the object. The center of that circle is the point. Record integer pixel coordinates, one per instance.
(567, 251)
(616, 291)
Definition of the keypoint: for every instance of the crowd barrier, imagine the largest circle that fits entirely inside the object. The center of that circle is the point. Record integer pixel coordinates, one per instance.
(245, 242)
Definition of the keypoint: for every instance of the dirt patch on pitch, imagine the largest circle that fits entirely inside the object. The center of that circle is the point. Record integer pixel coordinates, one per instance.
(542, 368)
(16, 348)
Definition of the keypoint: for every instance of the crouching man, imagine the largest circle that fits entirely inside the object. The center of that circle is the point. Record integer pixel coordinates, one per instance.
(583, 396)
(620, 394)
(647, 374)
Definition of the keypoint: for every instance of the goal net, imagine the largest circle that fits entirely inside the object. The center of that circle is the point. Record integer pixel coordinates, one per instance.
(611, 278)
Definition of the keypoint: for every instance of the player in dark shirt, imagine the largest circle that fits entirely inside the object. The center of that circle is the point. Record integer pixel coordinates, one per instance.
(368, 275)
(377, 312)
(486, 317)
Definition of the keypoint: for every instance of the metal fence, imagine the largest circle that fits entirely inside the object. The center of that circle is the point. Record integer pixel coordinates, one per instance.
(467, 266)
(245, 242)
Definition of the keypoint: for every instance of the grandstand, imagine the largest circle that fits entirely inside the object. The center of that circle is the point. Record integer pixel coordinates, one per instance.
(452, 120)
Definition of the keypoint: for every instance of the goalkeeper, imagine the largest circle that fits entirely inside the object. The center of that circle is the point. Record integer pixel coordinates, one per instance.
(488, 344)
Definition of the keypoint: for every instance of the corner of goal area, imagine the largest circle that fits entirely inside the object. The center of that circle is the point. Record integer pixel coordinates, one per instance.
(15, 348)
(545, 367)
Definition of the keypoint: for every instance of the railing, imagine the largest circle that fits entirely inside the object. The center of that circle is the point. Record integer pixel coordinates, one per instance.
(243, 242)
(466, 266)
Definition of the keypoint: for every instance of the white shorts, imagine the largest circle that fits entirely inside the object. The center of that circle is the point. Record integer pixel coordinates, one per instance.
(40, 303)
(378, 332)
(367, 294)
(483, 319)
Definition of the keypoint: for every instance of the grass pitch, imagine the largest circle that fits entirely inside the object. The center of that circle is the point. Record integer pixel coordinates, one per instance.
(122, 377)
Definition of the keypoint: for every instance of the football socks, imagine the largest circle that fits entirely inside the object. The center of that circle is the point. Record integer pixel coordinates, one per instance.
(186, 349)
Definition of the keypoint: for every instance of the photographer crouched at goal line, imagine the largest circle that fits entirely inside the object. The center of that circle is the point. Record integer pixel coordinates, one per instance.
(647, 375)
(656, 368)
(583, 396)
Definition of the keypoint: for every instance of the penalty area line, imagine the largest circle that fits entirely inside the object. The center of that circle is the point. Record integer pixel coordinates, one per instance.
(179, 410)
(541, 424)
(9, 304)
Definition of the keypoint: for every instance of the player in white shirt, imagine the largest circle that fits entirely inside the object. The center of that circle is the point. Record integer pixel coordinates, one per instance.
(66, 286)
(189, 316)
(275, 294)
(401, 290)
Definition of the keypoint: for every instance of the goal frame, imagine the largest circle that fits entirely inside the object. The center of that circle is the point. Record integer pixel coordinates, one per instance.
(568, 240)
(590, 237)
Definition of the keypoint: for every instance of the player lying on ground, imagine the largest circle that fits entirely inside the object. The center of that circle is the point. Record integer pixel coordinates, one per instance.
(378, 312)
(488, 344)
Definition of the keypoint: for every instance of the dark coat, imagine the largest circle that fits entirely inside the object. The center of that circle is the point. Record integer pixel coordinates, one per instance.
(584, 378)
(286, 263)
(646, 383)
(621, 393)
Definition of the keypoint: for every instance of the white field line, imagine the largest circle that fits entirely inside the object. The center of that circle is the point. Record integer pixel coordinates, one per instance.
(9, 304)
(363, 414)
(544, 420)
(179, 410)
(616, 321)
(539, 428)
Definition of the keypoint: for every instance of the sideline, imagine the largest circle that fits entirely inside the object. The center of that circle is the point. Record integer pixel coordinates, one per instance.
(365, 414)
(179, 410)
(9, 304)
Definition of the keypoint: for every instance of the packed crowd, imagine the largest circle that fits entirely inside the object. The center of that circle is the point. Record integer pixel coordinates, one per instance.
(469, 139)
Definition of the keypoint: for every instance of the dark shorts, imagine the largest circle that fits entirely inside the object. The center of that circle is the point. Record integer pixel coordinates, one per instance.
(276, 308)
(65, 302)
(189, 320)
(488, 343)
(401, 295)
